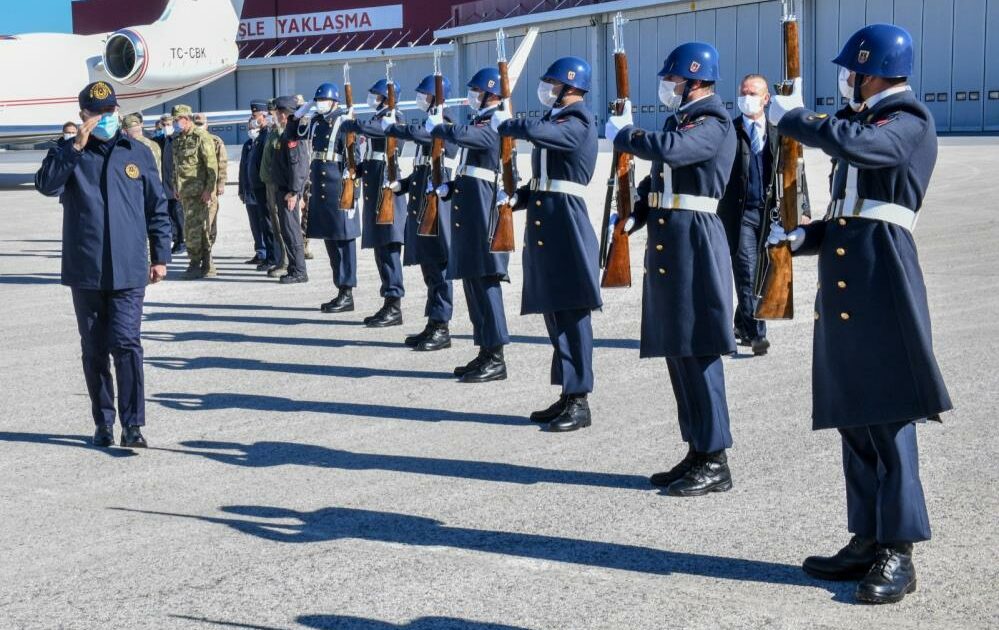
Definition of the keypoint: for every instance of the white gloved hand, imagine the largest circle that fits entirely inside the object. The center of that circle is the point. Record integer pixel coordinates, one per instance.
(500, 116)
(617, 124)
(781, 105)
(350, 113)
(434, 118)
(395, 187)
(388, 120)
(502, 198)
(777, 236)
(305, 110)
(443, 190)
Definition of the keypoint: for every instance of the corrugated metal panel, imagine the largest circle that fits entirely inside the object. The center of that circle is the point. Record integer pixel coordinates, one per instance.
(909, 15)
(937, 54)
(991, 94)
(968, 69)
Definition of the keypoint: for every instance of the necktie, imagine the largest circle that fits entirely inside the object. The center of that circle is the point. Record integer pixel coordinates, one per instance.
(755, 140)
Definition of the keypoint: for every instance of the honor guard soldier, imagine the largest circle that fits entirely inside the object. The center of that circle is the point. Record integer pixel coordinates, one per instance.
(561, 253)
(337, 227)
(385, 240)
(473, 197)
(687, 293)
(266, 254)
(874, 372)
(195, 177)
(429, 252)
(290, 172)
(114, 222)
(201, 120)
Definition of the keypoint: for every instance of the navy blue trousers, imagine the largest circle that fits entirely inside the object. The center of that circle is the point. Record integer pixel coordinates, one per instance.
(884, 497)
(744, 261)
(109, 323)
(253, 216)
(343, 262)
(571, 334)
(702, 409)
(440, 292)
(294, 241)
(176, 213)
(485, 308)
(388, 259)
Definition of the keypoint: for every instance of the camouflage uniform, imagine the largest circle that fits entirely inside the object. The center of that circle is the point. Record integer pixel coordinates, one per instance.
(195, 171)
(130, 121)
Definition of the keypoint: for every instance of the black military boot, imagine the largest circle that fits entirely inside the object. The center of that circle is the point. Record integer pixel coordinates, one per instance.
(760, 346)
(472, 365)
(342, 303)
(390, 314)
(891, 577)
(575, 416)
(193, 271)
(849, 563)
(709, 473)
(131, 437)
(491, 368)
(552, 412)
(104, 435)
(414, 340)
(439, 338)
(664, 479)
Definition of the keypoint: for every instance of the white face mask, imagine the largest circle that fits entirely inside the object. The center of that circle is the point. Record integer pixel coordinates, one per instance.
(846, 90)
(168, 130)
(546, 94)
(373, 101)
(750, 104)
(474, 98)
(270, 120)
(68, 136)
(424, 102)
(253, 133)
(324, 107)
(668, 96)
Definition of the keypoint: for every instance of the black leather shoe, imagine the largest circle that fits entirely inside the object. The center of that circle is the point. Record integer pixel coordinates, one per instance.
(760, 346)
(849, 563)
(575, 416)
(472, 365)
(276, 271)
(663, 479)
(104, 435)
(552, 412)
(890, 578)
(179, 248)
(390, 314)
(709, 473)
(439, 339)
(491, 368)
(298, 278)
(342, 303)
(264, 266)
(256, 260)
(414, 340)
(131, 437)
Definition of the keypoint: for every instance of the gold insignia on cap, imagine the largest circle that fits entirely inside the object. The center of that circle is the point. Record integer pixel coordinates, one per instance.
(863, 56)
(694, 66)
(491, 83)
(571, 74)
(100, 91)
(818, 116)
(132, 170)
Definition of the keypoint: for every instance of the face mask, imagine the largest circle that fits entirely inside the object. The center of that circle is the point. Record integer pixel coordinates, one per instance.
(253, 133)
(474, 98)
(270, 119)
(546, 94)
(107, 127)
(68, 136)
(425, 102)
(667, 95)
(750, 104)
(846, 90)
(373, 101)
(324, 107)
(168, 130)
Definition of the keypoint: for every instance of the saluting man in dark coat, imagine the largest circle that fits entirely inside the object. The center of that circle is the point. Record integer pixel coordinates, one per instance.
(561, 253)
(687, 295)
(874, 372)
(337, 227)
(386, 240)
(290, 173)
(429, 252)
(115, 222)
(473, 197)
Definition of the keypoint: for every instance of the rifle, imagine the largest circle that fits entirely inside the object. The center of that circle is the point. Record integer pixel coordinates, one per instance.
(430, 216)
(775, 276)
(502, 235)
(386, 202)
(348, 192)
(615, 253)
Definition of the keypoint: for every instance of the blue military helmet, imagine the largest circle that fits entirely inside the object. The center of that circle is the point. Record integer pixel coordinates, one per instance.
(486, 80)
(571, 71)
(880, 50)
(428, 86)
(381, 88)
(693, 60)
(327, 92)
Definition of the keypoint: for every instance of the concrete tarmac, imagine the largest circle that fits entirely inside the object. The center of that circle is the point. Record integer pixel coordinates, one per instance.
(306, 472)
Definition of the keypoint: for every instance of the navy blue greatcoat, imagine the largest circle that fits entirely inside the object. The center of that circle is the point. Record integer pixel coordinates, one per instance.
(372, 173)
(326, 219)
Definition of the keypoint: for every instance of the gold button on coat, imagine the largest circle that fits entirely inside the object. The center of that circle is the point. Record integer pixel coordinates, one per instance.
(662, 271)
(841, 221)
(541, 243)
(538, 203)
(844, 316)
(816, 315)
(662, 221)
(456, 224)
(840, 251)
(659, 248)
(537, 223)
(841, 284)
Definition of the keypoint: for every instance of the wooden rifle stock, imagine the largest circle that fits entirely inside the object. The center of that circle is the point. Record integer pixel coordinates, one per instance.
(502, 238)
(431, 209)
(386, 202)
(777, 286)
(617, 261)
(348, 192)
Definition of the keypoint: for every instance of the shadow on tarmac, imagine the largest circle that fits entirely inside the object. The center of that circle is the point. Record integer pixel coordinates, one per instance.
(344, 622)
(76, 441)
(196, 335)
(620, 344)
(246, 319)
(344, 371)
(32, 278)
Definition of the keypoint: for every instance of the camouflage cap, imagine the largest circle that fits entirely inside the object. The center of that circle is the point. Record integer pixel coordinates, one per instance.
(132, 120)
(183, 110)
(200, 119)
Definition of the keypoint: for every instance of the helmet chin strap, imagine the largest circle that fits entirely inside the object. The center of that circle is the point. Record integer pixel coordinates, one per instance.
(687, 89)
(858, 80)
(561, 95)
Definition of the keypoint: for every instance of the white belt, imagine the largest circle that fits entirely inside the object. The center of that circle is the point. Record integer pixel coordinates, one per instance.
(421, 161)
(321, 157)
(873, 210)
(683, 202)
(376, 155)
(450, 163)
(477, 172)
(559, 186)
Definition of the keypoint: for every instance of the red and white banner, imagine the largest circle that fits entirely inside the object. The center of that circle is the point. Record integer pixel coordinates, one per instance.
(324, 23)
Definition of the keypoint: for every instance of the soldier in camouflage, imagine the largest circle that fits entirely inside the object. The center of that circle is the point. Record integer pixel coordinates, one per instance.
(133, 127)
(196, 177)
(201, 121)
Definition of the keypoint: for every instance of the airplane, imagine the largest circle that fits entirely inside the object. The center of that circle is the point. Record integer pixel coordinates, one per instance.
(192, 44)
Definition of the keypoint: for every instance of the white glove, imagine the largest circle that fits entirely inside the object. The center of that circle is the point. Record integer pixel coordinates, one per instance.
(500, 116)
(617, 124)
(388, 120)
(502, 198)
(305, 110)
(780, 105)
(434, 118)
(777, 236)
(395, 187)
(350, 113)
(443, 190)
